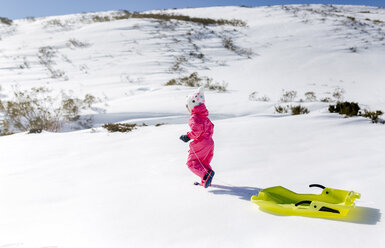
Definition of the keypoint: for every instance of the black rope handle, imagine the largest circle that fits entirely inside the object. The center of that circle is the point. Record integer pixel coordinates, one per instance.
(302, 202)
(317, 185)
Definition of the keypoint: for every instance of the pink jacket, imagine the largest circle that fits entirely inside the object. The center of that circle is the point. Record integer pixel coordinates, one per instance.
(202, 128)
(202, 146)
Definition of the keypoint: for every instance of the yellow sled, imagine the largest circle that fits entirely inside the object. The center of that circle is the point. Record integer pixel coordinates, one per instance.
(331, 203)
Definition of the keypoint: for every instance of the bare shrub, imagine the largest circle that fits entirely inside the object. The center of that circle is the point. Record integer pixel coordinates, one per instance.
(37, 109)
(288, 96)
(338, 93)
(228, 43)
(167, 25)
(54, 22)
(192, 81)
(254, 97)
(58, 24)
(46, 55)
(220, 87)
(5, 127)
(326, 99)
(74, 43)
(310, 96)
(30, 18)
(125, 78)
(97, 18)
(177, 66)
(195, 81)
(25, 64)
(196, 55)
(56, 73)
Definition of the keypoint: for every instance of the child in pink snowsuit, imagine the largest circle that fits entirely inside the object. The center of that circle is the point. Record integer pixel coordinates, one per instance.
(202, 147)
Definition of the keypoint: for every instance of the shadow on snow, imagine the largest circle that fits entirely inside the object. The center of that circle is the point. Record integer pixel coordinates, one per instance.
(243, 193)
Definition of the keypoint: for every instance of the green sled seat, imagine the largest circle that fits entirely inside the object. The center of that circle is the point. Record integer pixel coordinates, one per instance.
(331, 203)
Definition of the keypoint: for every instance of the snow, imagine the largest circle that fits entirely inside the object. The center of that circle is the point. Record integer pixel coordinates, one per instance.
(91, 188)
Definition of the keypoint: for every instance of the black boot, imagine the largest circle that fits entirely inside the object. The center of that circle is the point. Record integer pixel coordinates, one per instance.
(208, 178)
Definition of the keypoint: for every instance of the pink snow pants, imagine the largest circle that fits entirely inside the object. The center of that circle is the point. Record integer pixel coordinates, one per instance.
(198, 161)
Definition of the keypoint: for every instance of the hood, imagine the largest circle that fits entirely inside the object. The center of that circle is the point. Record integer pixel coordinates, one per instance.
(200, 110)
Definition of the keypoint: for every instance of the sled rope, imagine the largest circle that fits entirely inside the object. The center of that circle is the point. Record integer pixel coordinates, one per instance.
(228, 184)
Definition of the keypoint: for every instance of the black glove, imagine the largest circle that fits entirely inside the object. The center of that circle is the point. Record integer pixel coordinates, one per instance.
(185, 138)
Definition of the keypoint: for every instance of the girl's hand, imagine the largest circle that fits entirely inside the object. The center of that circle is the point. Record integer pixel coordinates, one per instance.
(184, 138)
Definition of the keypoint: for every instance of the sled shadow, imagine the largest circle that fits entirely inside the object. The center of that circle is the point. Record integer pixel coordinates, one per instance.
(243, 193)
(363, 215)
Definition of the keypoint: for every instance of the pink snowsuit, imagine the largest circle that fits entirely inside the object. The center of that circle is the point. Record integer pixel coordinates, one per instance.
(202, 147)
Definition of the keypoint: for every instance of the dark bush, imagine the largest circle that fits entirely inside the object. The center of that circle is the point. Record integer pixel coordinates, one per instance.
(281, 110)
(119, 127)
(345, 108)
(351, 18)
(299, 110)
(6, 21)
(35, 130)
(374, 116)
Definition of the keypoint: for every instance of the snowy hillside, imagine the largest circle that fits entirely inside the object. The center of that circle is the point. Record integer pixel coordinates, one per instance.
(92, 188)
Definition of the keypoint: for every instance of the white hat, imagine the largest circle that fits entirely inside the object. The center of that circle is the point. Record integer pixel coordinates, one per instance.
(196, 99)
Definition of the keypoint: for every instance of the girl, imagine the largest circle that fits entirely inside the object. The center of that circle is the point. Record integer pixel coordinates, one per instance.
(202, 147)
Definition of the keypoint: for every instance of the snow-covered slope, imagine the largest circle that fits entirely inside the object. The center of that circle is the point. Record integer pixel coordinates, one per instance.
(91, 188)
